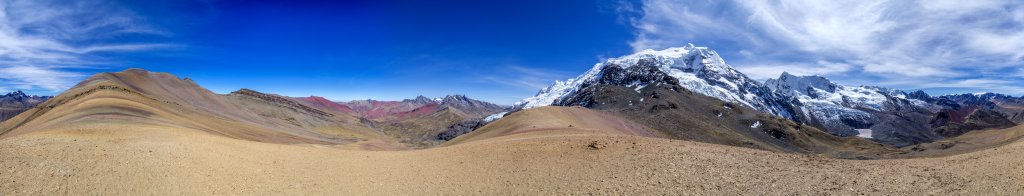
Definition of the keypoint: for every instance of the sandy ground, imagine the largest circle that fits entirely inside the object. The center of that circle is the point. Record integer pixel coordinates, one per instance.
(102, 159)
(560, 120)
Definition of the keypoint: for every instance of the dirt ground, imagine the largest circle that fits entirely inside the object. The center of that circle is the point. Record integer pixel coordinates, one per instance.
(134, 159)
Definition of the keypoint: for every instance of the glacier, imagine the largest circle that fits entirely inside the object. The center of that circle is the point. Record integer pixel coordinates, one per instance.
(698, 69)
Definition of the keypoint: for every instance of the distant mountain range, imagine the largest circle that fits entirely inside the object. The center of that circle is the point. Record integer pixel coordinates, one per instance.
(419, 106)
(12, 104)
(884, 115)
(421, 121)
(894, 116)
(137, 96)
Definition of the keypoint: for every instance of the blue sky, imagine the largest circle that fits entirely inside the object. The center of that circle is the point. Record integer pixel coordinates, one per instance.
(502, 51)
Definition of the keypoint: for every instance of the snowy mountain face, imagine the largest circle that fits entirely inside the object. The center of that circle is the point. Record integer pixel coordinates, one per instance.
(894, 116)
(885, 115)
(819, 90)
(697, 69)
(841, 110)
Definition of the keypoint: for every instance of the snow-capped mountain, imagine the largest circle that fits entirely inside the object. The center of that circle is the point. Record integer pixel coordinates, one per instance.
(886, 115)
(698, 69)
(894, 116)
(840, 109)
(817, 89)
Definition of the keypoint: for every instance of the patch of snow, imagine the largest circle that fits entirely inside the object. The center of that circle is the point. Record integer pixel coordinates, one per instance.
(494, 117)
(864, 133)
(756, 124)
(638, 87)
(918, 102)
(804, 110)
(900, 95)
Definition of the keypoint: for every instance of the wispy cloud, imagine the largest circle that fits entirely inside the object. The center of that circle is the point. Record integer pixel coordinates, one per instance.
(766, 71)
(893, 41)
(28, 77)
(41, 40)
(524, 77)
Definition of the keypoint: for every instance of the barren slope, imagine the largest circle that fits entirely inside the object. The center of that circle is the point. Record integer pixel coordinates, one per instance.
(553, 120)
(144, 159)
(148, 98)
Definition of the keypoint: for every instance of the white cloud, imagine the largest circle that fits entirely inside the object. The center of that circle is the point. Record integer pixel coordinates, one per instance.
(667, 24)
(766, 71)
(40, 40)
(912, 70)
(926, 40)
(1008, 43)
(1018, 15)
(28, 77)
(523, 77)
(979, 85)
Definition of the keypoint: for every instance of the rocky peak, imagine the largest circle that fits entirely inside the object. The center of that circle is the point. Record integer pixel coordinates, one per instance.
(17, 93)
(17, 101)
(19, 97)
(419, 100)
(455, 98)
(919, 95)
(791, 85)
(987, 98)
(465, 103)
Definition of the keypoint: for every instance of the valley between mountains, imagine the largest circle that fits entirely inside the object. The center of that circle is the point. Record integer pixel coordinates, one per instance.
(674, 121)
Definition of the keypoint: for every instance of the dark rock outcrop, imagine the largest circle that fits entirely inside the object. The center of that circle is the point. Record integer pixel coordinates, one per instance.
(460, 128)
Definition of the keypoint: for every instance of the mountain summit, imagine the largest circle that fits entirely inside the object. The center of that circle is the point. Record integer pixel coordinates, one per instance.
(880, 114)
(698, 69)
(893, 116)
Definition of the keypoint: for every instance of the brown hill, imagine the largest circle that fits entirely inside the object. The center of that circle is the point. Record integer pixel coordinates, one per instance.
(422, 131)
(140, 97)
(323, 103)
